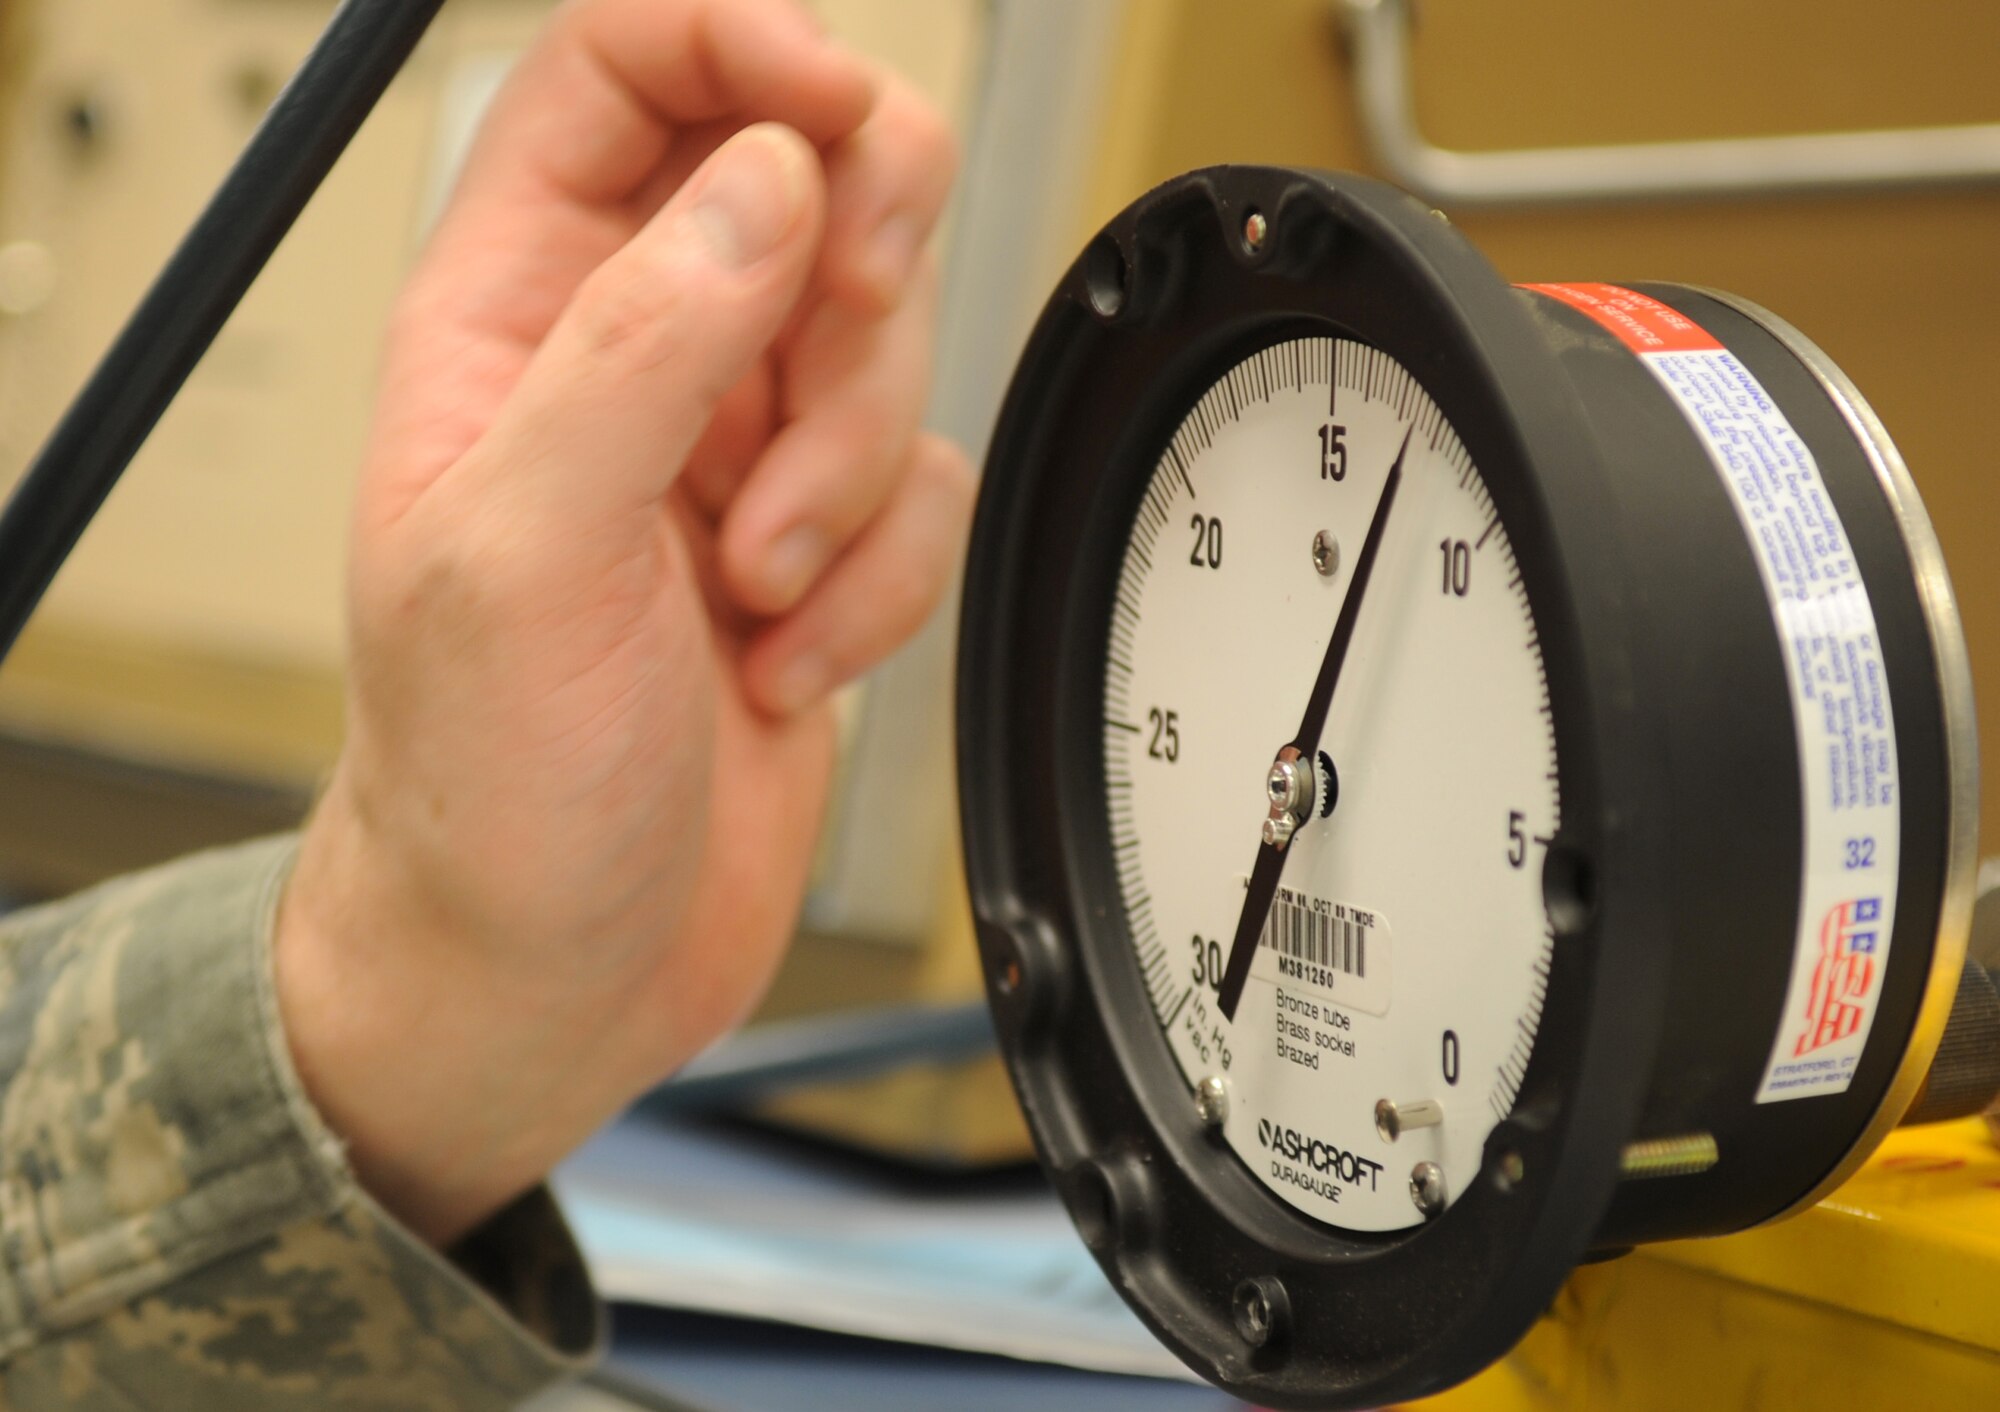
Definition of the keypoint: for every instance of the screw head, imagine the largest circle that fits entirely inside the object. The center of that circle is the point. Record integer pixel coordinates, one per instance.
(84, 117)
(1290, 786)
(1256, 230)
(1427, 1187)
(1326, 554)
(1261, 1309)
(1211, 1101)
(1508, 1170)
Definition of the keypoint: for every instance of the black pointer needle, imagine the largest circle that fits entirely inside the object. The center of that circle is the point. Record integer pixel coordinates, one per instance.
(1271, 856)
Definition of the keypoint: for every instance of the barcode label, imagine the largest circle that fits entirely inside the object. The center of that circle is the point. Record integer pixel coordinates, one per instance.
(1324, 937)
(1339, 950)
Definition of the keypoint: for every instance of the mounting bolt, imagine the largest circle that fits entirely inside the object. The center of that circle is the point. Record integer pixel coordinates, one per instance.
(1255, 230)
(1262, 1310)
(1682, 1156)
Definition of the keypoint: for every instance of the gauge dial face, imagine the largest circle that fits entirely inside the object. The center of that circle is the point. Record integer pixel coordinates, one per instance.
(1406, 955)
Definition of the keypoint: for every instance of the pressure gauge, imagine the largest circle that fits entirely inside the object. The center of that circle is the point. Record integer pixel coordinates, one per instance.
(1440, 763)
(1456, 778)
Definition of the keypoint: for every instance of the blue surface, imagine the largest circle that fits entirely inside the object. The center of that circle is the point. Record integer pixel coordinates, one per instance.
(716, 1220)
(732, 1365)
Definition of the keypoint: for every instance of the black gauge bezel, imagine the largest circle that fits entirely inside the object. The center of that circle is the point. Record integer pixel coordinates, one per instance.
(1159, 306)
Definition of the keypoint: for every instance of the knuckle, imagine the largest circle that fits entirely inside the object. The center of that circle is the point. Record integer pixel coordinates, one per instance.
(915, 569)
(457, 572)
(909, 591)
(633, 310)
(940, 146)
(948, 472)
(925, 135)
(464, 584)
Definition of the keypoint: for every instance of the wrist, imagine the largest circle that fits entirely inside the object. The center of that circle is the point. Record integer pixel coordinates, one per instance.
(457, 1081)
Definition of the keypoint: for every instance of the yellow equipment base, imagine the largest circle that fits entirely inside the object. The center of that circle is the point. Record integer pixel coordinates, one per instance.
(1884, 1296)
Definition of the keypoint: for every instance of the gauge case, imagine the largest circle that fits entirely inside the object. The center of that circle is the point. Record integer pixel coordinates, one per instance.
(1673, 884)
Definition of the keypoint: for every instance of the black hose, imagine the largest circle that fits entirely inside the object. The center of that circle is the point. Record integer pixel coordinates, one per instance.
(310, 125)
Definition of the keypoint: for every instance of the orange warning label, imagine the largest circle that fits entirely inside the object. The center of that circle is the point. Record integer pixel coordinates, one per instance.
(1642, 324)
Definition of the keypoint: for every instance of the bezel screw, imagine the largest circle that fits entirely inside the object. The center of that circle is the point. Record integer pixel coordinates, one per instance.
(1427, 1188)
(1211, 1101)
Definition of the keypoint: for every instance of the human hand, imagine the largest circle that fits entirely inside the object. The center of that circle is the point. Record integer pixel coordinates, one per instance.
(646, 484)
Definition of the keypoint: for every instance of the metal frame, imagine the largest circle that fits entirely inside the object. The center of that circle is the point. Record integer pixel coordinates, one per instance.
(1378, 33)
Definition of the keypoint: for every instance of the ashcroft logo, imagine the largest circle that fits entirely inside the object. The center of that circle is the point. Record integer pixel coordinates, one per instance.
(1322, 1157)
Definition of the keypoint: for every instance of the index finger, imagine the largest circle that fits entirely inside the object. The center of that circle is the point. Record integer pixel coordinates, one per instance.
(555, 185)
(592, 109)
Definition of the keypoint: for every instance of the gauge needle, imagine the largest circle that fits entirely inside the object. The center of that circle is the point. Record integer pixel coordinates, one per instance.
(1271, 855)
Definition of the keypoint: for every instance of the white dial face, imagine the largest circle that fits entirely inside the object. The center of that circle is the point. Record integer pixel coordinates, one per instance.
(1406, 954)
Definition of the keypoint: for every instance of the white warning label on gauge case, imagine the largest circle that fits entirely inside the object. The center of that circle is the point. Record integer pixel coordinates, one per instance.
(1833, 662)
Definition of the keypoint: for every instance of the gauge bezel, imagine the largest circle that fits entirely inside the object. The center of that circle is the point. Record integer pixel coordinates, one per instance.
(1158, 306)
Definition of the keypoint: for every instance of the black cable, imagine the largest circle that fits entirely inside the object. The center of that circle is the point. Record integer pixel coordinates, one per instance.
(310, 125)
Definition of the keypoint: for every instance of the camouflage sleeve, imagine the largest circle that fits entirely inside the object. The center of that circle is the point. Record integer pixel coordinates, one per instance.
(179, 1228)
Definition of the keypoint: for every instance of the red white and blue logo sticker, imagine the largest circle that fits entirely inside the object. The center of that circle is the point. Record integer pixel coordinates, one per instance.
(1843, 982)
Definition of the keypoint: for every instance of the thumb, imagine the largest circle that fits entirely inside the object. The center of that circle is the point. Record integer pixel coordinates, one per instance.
(625, 384)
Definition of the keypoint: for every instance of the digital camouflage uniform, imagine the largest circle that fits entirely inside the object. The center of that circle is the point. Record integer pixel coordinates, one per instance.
(179, 1228)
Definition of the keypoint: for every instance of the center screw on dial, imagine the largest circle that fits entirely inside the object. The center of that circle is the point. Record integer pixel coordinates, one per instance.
(1289, 787)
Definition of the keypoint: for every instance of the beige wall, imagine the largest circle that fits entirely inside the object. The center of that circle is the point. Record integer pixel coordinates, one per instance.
(211, 584)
